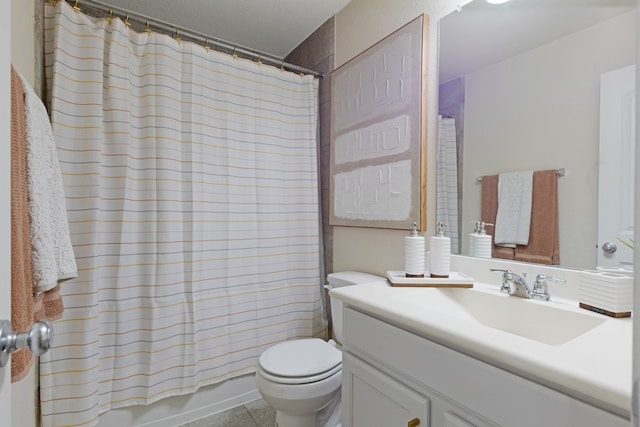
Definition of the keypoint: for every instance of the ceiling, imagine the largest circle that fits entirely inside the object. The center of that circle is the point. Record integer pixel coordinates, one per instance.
(275, 27)
(482, 34)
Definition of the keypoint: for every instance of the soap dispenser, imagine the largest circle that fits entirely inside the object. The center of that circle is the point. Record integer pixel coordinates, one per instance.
(483, 243)
(472, 238)
(414, 254)
(440, 253)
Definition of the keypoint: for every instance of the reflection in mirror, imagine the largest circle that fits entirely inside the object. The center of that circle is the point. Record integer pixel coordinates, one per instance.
(521, 83)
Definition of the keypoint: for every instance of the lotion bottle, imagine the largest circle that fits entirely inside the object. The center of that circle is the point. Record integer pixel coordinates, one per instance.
(414, 254)
(440, 253)
(483, 243)
(472, 238)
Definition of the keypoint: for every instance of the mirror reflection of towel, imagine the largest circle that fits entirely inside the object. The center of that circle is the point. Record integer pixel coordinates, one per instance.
(488, 215)
(544, 240)
(513, 218)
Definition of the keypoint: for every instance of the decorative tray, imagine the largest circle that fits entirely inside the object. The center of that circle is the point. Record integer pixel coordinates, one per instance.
(455, 280)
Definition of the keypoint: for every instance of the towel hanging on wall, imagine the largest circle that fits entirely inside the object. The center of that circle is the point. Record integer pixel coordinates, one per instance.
(41, 252)
(53, 259)
(21, 295)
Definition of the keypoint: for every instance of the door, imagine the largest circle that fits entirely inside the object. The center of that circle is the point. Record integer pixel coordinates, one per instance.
(616, 176)
(5, 216)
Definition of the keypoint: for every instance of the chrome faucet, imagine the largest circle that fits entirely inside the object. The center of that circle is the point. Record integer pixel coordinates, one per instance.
(515, 284)
(541, 289)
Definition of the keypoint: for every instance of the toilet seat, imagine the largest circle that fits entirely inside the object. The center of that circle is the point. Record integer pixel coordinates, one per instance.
(300, 380)
(300, 361)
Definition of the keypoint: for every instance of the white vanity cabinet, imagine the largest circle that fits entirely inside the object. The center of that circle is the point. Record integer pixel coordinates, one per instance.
(392, 377)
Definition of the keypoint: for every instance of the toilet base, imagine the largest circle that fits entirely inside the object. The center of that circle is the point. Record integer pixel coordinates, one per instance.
(329, 416)
(287, 420)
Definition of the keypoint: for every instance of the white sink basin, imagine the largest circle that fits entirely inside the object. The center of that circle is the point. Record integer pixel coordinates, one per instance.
(541, 321)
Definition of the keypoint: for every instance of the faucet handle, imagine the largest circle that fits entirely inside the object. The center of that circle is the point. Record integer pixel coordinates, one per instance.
(541, 289)
(505, 288)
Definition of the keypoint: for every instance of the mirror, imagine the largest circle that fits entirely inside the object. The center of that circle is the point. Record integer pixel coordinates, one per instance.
(522, 80)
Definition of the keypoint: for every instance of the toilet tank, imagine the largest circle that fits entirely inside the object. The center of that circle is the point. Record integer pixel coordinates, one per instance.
(347, 278)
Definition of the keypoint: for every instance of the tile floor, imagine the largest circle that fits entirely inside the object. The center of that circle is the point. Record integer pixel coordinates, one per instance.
(253, 414)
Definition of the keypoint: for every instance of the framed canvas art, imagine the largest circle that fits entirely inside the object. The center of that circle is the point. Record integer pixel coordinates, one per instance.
(378, 133)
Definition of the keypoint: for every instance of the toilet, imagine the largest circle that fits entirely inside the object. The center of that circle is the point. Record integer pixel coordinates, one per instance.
(301, 378)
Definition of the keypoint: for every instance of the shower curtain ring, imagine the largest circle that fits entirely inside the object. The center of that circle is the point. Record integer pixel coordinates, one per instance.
(126, 20)
(235, 54)
(76, 7)
(148, 28)
(110, 17)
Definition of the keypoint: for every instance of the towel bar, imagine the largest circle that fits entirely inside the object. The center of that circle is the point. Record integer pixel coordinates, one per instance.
(559, 173)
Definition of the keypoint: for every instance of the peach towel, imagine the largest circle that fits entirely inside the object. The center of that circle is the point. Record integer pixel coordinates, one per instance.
(544, 239)
(27, 305)
(21, 293)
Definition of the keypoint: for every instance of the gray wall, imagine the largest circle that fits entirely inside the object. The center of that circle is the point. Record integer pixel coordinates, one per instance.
(316, 53)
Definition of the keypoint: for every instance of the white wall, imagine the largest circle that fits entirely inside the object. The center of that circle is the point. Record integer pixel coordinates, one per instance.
(540, 110)
(358, 26)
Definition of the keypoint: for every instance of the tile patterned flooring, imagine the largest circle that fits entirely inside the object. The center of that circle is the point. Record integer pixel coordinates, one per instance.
(256, 413)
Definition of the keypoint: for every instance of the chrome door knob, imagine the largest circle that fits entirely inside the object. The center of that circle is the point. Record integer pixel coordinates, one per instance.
(609, 248)
(38, 339)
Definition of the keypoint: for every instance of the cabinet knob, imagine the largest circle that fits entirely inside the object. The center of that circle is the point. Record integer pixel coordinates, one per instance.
(609, 248)
(414, 422)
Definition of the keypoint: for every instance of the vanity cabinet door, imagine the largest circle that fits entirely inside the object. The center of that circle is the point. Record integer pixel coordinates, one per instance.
(453, 420)
(371, 398)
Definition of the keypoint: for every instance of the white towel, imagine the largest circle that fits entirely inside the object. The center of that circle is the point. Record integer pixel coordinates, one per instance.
(513, 219)
(52, 257)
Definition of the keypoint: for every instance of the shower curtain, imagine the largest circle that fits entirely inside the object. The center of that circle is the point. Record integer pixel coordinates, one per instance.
(447, 179)
(192, 197)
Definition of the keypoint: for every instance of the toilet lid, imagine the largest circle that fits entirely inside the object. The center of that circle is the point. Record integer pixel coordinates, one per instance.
(300, 358)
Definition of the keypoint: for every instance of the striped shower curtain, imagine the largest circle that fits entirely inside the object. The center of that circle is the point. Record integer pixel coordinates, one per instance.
(192, 197)
(447, 179)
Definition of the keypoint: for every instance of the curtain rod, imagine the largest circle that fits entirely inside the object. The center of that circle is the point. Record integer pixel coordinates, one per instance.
(184, 33)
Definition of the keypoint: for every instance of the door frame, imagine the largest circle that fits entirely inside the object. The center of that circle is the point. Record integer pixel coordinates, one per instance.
(5, 191)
